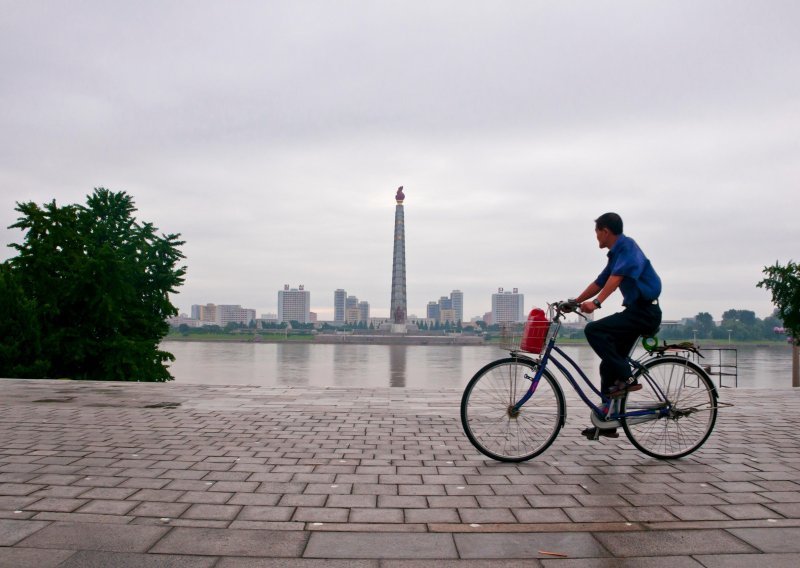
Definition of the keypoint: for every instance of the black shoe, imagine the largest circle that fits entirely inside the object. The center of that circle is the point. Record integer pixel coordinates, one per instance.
(594, 433)
(619, 388)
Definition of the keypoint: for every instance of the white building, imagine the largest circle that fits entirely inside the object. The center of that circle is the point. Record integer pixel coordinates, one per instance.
(294, 304)
(508, 307)
(363, 311)
(457, 298)
(339, 300)
(228, 313)
(182, 319)
(206, 314)
(222, 314)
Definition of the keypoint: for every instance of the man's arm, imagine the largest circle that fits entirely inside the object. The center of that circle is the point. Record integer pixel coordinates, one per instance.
(612, 284)
(591, 290)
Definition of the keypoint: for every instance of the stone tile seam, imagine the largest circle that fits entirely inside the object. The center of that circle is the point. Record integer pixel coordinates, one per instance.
(751, 545)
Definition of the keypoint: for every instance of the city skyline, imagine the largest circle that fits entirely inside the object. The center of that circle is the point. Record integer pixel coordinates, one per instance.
(269, 135)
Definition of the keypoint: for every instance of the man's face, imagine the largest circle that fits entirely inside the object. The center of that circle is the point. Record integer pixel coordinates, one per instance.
(604, 237)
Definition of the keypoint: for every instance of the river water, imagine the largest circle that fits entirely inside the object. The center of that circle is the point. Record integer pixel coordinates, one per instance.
(415, 366)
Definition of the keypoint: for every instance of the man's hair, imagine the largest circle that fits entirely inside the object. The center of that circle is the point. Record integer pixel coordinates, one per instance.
(610, 221)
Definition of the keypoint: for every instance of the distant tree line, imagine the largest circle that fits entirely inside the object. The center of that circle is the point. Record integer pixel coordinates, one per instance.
(239, 328)
(737, 325)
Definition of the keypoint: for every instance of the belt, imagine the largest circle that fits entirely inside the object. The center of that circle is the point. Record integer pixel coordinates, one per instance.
(642, 302)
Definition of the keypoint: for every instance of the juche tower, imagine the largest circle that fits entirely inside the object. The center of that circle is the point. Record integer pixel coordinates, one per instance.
(399, 307)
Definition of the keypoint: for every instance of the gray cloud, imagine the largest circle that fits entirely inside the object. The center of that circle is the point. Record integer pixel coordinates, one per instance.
(272, 136)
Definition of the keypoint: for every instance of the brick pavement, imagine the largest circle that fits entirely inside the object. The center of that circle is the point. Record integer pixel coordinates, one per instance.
(128, 474)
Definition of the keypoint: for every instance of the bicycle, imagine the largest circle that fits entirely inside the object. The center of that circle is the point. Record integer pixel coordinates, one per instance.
(513, 409)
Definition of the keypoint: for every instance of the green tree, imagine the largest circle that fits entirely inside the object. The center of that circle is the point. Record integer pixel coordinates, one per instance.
(770, 324)
(232, 326)
(705, 324)
(746, 317)
(99, 283)
(784, 284)
(20, 348)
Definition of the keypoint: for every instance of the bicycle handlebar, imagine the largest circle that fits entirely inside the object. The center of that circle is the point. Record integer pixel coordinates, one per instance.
(567, 307)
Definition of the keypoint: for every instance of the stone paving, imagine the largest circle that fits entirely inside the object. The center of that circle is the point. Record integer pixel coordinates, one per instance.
(129, 474)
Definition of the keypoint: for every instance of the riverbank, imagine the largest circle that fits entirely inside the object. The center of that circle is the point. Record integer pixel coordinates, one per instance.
(377, 339)
(326, 339)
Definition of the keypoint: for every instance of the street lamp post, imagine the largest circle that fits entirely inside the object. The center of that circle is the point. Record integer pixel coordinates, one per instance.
(729, 336)
(694, 333)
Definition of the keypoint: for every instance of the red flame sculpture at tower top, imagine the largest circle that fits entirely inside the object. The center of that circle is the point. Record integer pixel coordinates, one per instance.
(400, 195)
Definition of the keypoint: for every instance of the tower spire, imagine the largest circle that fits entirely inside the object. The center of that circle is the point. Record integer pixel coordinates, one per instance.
(398, 304)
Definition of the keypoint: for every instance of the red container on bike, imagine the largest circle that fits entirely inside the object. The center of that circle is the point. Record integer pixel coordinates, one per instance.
(535, 332)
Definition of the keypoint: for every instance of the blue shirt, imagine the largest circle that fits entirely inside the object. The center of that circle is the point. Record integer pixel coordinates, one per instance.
(639, 278)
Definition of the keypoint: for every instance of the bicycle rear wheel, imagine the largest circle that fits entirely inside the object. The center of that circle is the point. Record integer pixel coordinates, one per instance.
(492, 425)
(687, 400)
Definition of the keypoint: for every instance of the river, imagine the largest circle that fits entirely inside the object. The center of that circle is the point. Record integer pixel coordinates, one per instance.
(415, 366)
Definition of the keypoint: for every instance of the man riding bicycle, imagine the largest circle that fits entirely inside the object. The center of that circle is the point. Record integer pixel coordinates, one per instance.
(613, 337)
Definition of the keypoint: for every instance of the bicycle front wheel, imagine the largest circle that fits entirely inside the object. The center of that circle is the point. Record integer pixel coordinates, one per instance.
(678, 403)
(489, 418)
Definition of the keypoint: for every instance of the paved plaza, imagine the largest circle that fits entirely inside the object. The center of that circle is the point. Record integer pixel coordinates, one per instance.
(150, 475)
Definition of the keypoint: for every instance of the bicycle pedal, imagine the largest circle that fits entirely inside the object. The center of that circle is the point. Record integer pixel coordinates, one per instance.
(592, 434)
(602, 422)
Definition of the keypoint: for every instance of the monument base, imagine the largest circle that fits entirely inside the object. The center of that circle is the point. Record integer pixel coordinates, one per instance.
(398, 328)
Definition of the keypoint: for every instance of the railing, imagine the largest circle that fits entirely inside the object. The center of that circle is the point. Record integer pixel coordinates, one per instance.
(722, 362)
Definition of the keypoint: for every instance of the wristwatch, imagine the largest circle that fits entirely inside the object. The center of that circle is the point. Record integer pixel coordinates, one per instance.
(596, 303)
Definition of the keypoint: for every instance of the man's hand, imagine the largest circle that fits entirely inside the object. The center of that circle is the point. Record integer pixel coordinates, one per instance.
(588, 307)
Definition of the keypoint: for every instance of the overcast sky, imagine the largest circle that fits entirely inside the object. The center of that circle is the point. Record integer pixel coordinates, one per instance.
(273, 136)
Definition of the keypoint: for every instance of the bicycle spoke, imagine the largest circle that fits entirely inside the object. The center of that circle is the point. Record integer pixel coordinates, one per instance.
(495, 427)
(688, 408)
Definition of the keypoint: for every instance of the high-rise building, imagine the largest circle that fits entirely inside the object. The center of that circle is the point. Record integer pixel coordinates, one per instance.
(227, 313)
(354, 311)
(508, 307)
(294, 304)
(447, 309)
(352, 316)
(457, 298)
(339, 298)
(446, 312)
(447, 315)
(363, 312)
(206, 314)
(222, 314)
(433, 311)
(399, 307)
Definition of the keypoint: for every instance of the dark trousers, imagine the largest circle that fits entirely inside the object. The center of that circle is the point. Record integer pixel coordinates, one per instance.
(613, 337)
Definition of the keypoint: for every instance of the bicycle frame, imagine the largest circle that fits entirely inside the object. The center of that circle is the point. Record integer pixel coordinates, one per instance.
(547, 357)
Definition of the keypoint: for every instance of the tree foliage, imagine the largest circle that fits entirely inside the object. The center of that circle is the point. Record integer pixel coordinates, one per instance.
(704, 323)
(21, 344)
(784, 284)
(90, 288)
